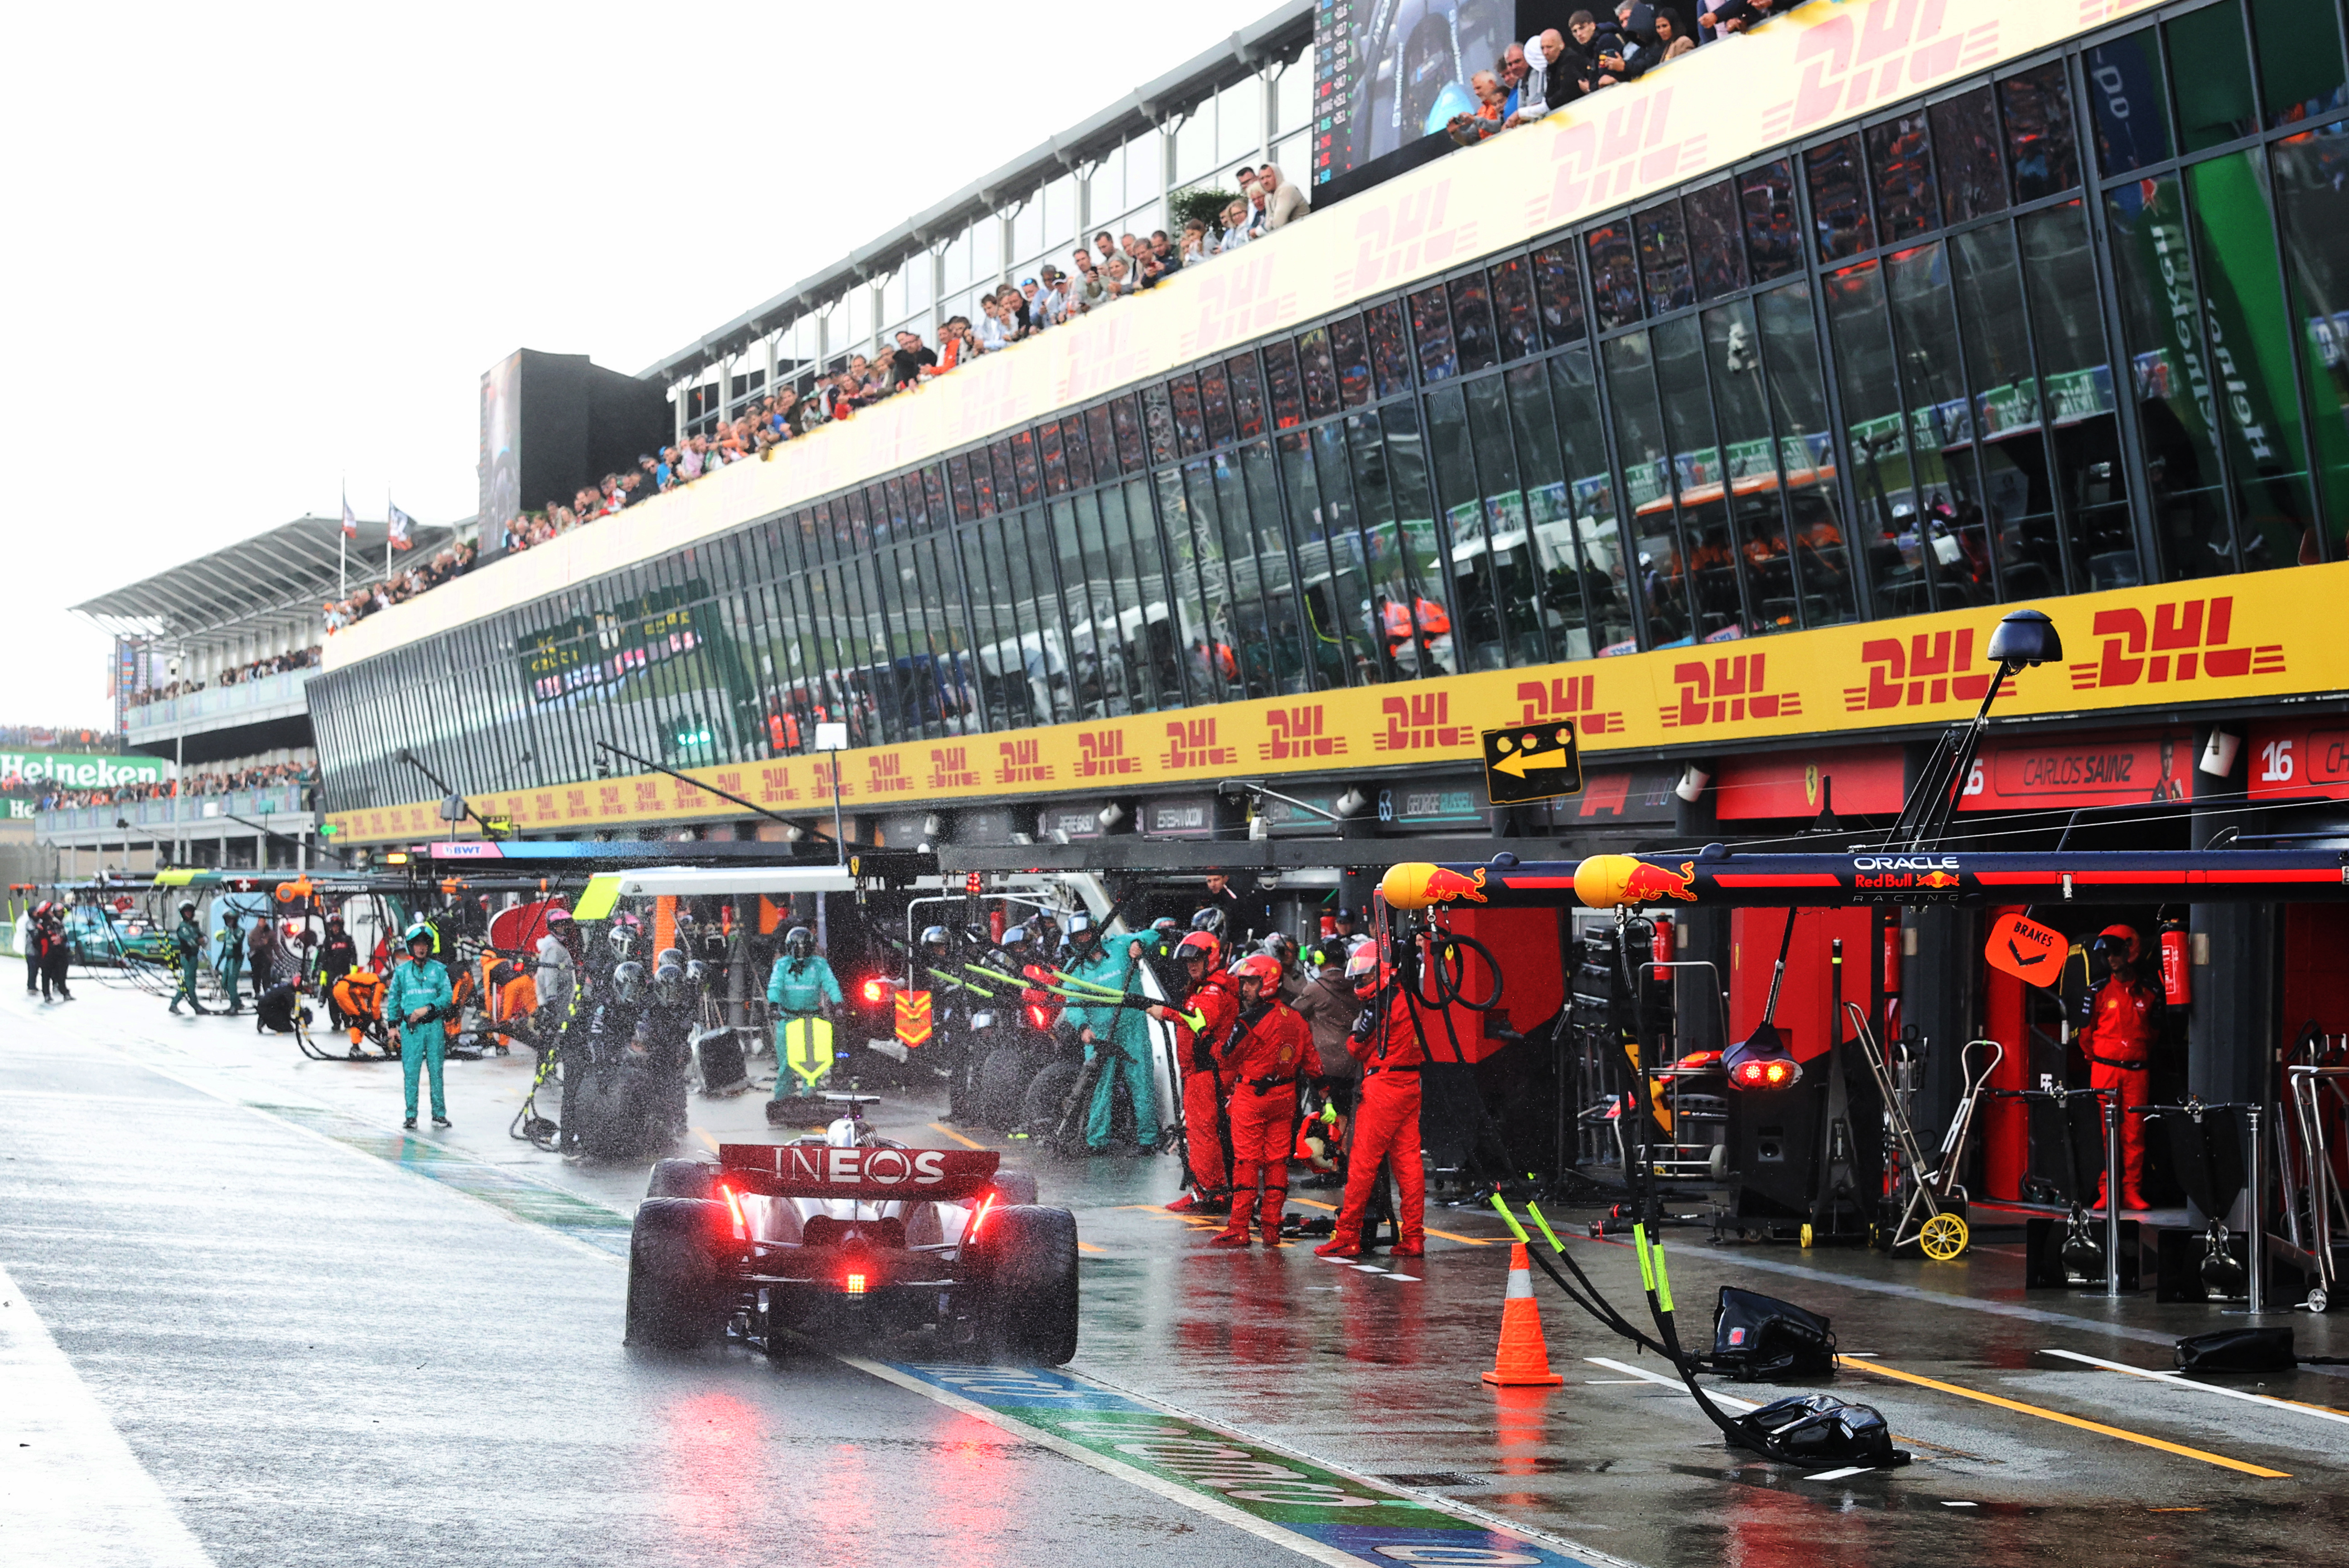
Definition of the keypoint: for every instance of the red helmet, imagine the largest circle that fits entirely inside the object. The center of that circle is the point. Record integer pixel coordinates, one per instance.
(1363, 971)
(1203, 943)
(1262, 967)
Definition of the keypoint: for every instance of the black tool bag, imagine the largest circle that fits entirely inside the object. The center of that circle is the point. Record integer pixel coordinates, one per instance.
(1821, 1429)
(1759, 1338)
(2238, 1350)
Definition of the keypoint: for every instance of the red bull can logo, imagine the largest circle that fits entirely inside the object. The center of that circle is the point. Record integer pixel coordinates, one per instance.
(1444, 886)
(1652, 884)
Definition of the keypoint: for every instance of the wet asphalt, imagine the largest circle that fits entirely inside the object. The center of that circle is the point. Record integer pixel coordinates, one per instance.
(316, 1355)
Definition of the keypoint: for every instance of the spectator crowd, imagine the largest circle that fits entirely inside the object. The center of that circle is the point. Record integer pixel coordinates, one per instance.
(453, 562)
(301, 776)
(275, 664)
(48, 738)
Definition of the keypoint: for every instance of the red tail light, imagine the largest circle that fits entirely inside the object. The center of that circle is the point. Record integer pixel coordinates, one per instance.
(874, 991)
(734, 1207)
(1774, 1073)
(856, 1284)
(1041, 1017)
(986, 1207)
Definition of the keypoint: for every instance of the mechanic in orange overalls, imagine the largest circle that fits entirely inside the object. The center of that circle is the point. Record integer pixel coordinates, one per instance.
(2123, 1020)
(1269, 1045)
(1386, 1111)
(1214, 999)
(359, 997)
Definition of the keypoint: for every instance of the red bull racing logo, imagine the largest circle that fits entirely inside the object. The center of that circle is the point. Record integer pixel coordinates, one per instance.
(1652, 884)
(1444, 886)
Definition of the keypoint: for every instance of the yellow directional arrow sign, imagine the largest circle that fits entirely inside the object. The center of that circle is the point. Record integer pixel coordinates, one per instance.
(1532, 762)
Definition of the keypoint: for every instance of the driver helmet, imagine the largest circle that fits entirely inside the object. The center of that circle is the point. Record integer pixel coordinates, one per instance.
(800, 942)
(500, 972)
(1199, 944)
(1363, 971)
(1280, 946)
(1210, 919)
(558, 914)
(628, 984)
(1262, 967)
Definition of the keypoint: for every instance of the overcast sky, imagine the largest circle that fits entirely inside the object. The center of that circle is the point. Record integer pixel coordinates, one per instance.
(261, 252)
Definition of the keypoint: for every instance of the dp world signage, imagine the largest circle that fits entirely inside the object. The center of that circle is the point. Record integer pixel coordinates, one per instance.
(80, 771)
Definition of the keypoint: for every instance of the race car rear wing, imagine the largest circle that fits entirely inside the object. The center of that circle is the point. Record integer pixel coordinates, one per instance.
(870, 1174)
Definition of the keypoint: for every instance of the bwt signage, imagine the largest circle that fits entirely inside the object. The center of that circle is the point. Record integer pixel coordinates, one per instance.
(68, 771)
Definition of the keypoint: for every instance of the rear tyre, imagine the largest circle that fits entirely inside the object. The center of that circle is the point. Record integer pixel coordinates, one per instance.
(1029, 1307)
(1003, 1080)
(1014, 1189)
(692, 1178)
(676, 1292)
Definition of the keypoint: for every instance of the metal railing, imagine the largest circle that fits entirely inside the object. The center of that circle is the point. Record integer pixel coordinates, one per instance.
(201, 816)
(216, 702)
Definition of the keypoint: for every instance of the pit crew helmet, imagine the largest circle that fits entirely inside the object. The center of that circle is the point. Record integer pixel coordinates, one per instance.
(628, 984)
(800, 942)
(1264, 970)
(1200, 945)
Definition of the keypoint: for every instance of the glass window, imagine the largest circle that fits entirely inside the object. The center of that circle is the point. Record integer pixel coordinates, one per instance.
(1514, 586)
(1790, 356)
(995, 631)
(1409, 630)
(1323, 536)
(1248, 395)
(2311, 172)
(1320, 373)
(1757, 531)
(2018, 502)
(1431, 325)
(1100, 423)
(1056, 467)
(1472, 323)
(1147, 632)
(1772, 236)
(2299, 43)
(1129, 447)
(2041, 153)
(1285, 384)
(2124, 97)
(1546, 558)
(1839, 213)
(1097, 674)
(1558, 292)
(1042, 616)
(1714, 599)
(1663, 258)
(1614, 275)
(934, 498)
(1216, 403)
(1869, 380)
(1966, 147)
(1716, 249)
(1158, 424)
(1023, 465)
(1216, 659)
(2252, 349)
(1463, 503)
(1597, 536)
(1389, 348)
(1352, 354)
(1645, 448)
(1954, 546)
(1900, 156)
(1007, 481)
(2210, 77)
(1190, 423)
(1074, 452)
(1513, 308)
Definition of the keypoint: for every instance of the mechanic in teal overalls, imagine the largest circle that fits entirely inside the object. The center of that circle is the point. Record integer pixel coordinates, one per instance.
(232, 957)
(188, 945)
(417, 997)
(800, 985)
(1119, 1036)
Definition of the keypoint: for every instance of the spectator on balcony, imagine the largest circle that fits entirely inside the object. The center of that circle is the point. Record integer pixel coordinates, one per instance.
(913, 356)
(1492, 110)
(1551, 78)
(1723, 18)
(1512, 70)
(1196, 248)
(1636, 20)
(1161, 246)
(1674, 37)
(1284, 203)
(1094, 292)
(1106, 246)
(1235, 231)
(991, 335)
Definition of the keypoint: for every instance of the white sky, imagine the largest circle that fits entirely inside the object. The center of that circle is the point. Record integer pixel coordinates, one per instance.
(262, 252)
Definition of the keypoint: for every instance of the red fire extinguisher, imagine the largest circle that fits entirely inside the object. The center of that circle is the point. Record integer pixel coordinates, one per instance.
(995, 925)
(1659, 948)
(1892, 944)
(2177, 973)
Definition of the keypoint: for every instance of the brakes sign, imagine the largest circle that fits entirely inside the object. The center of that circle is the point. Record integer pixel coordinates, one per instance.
(825, 1170)
(2026, 949)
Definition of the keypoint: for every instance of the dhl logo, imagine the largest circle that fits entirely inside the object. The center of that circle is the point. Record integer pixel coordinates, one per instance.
(1403, 236)
(1601, 156)
(1191, 743)
(1101, 753)
(1572, 697)
(828, 780)
(951, 768)
(775, 783)
(1114, 355)
(607, 800)
(1727, 690)
(1419, 722)
(685, 795)
(1924, 670)
(1866, 55)
(1297, 733)
(2188, 639)
(648, 795)
(730, 782)
(886, 773)
(1239, 305)
(574, 804)
(542, 805)
(1021, 762)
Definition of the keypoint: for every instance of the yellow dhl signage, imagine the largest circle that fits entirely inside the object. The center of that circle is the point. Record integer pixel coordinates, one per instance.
(2218, 640)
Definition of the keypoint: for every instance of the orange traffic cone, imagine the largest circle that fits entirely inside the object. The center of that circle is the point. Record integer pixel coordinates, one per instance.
(1523, 1360)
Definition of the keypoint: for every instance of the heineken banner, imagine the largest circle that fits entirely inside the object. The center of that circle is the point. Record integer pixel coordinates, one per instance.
(60, 770)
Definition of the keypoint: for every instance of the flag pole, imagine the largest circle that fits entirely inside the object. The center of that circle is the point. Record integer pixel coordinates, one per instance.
(343, 548)
(386, 534)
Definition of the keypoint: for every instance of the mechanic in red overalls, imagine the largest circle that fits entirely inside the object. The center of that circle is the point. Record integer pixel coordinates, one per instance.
(1269, 1045)
(1214, 999)
(1386, 1112)
(2123, 1020)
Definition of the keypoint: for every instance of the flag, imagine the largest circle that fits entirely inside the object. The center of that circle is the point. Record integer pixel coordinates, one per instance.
(396, 524)
(350, 520)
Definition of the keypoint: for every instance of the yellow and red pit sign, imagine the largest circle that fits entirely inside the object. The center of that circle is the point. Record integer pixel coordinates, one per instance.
(913, 1017)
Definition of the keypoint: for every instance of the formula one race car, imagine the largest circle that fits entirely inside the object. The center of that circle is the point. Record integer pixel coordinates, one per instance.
(853, 1232)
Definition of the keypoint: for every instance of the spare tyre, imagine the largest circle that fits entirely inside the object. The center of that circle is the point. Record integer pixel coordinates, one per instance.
(678, 1295)
(1003, 1080)
(1039, 1107)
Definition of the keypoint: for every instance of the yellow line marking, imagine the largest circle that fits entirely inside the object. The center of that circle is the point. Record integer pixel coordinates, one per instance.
(703, 1134)
(1331, 1208)
(1089, 1247)
(967, 1143)
(1880, 1370)
(1471, 1240)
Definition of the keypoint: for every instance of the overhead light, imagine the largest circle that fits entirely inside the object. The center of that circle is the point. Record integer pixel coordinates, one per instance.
(2219, 753)
(933, 825)
(1109, 816)
(1352, 803)
(2025, 636)
(1693, 782)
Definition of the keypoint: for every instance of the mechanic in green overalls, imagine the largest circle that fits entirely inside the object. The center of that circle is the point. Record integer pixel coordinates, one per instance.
(232, 957)
(800, 985)
(188, 945)
(1118, 1035)
(418, 996)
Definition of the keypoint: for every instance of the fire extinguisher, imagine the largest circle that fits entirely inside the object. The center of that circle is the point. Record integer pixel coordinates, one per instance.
(995, 925)
(2177, 973)
(1659, 948)
(1892, 945)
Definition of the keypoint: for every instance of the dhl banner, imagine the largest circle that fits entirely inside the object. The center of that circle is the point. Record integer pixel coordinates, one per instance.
(2221, 639)
(1822, 64)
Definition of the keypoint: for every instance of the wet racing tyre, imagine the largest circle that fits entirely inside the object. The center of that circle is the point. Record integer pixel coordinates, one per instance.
(1028, 1312)
(1039, 1107)
(1015, 1188)
(677, 1297)
(695, 1179)
(1003, 1080)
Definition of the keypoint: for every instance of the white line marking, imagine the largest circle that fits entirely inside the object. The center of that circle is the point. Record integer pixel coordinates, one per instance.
(1644, 1375)
(70, 1489)
(1947, 1503)
(2176, 1381)
(1413, 1278)
(1838, 1475)
(1370, 1268)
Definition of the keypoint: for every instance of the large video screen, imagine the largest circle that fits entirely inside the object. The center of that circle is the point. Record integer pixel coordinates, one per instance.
(1388, 72)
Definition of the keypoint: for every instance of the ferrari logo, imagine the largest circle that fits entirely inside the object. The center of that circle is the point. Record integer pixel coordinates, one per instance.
(912, 1016)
